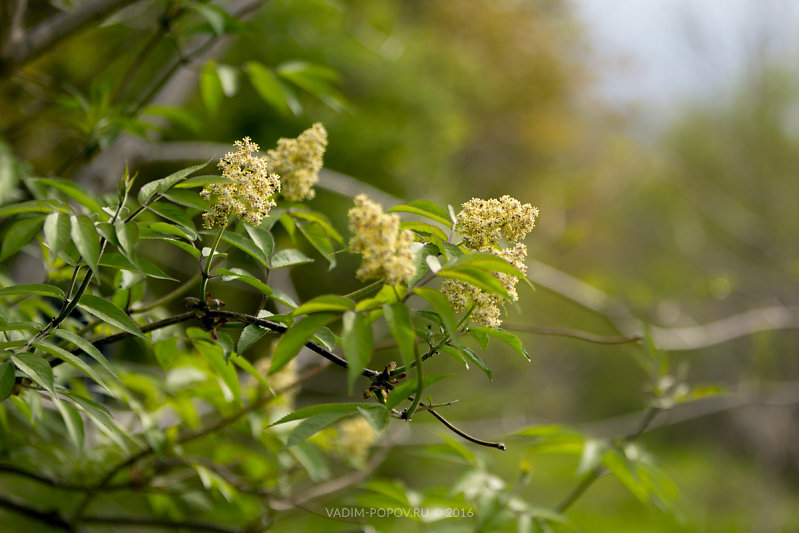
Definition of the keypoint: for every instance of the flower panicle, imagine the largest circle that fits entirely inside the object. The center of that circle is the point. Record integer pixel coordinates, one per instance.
(298, 162)
(386, 249)
(248, 192)
(485, 225)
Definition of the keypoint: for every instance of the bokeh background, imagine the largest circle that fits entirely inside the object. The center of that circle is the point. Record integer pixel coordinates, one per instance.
(659, 139)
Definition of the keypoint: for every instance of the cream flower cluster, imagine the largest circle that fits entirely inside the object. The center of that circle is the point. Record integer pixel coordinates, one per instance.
(298, 162)
(483, 224)
(384, 246)
(249, 191)
(355, 437)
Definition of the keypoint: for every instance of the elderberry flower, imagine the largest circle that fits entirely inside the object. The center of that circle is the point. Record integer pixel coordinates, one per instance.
(483, 224)
(248, 192)
(298, 162)
(355, 437)
(384, 246)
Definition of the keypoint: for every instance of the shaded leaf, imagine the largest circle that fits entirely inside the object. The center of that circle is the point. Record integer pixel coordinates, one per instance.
(356, 338)
(295, 338)
(105, 310)
(19, 234)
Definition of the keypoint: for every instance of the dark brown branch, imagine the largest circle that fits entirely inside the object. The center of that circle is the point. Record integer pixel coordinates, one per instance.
(51, 518)
(47, 34)
(489, 444)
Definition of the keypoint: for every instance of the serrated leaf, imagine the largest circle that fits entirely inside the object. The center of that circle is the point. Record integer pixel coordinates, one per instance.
(74, 191)
(86, 240)
(36, 368)
(441, 306)
(318, 238)
(357, 341)
(34, 206)
(324, 408)
(210, 87)
(158, 186)
(56, 231)
(214, 355)
(19, 234)
(33, 289)
(72, 359)
(73, 422)
(423, 228)
(262, 238)
(87, 347)
(105, 310)
(399, 322)
(295, 338)
(505, 336)
(377, 416)
(289, 257)
(327, 302)
(424, 208)
(243, 276)
(267, 85)
(249, 336)
(7, 380)
(245, 245)
(312, 425)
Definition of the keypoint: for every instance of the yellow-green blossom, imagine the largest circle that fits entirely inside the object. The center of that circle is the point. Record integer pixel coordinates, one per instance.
(483, 224)
(298, 162)
(384, 246)
(355, 437)
(248, 192)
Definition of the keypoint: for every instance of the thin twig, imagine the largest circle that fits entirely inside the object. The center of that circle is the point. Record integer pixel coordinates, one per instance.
(489, 444)
(573, 333)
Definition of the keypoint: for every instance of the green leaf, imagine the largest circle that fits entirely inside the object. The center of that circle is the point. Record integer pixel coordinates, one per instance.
(423, 228)
(34, 206)
(474, 358)
(127, 235)
(505, 336)
(75, 192)
(479, 278)
(593, 451)
(201, 181)
(72, 359)
(7, 380)
(87, 347)
(327, 302)
(317, 236)
(73, 421)
(142, 266)
(249, 336)
(316, 79)
(424, 208)
(102, 419)
(356, 338)
(241, 275)
(289, 257)
(186, 247)
(86, 239)
(267, 85)
(487, 262)
(213, 353)
(210, 87)
(105, 310)
(322, 220)
(262, 238)
(313, 425)
(33, 289)
(399, 322)
(443, 308)
(20, 326)
(295, 338)
(377, 416)
(176, 214)
(37, 369)
(186, 198)
(623, 470)
(455, 354)
(56, 231)
(245, 245)
(153, 230)
(324, 408)
(19, 234)
(247, 367)
(149, 190)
